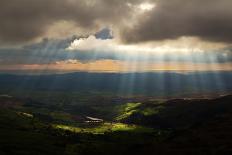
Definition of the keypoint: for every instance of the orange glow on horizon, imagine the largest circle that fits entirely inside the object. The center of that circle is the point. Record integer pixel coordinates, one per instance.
(119, 66)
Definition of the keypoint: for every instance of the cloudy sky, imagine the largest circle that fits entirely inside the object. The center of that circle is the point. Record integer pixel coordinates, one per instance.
(115, 35)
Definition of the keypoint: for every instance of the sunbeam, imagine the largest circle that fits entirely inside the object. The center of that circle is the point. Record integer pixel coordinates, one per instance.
(115, 77)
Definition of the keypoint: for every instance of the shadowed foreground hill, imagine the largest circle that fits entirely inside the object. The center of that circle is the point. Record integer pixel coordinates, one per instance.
(179, 126)
(179, 113)
(209, 138)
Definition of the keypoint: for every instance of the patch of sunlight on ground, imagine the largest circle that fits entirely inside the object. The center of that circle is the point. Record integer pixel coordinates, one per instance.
(127, 110)
(105, 127)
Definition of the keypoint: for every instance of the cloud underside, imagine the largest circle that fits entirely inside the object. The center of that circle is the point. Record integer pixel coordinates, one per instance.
(27, 20)
(210, 20)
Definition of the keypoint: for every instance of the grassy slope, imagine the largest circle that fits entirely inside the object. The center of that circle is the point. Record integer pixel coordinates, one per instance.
(208, 124)
(23, 131)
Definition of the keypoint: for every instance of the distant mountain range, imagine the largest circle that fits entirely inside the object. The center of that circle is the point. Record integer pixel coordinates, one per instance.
(157, 84)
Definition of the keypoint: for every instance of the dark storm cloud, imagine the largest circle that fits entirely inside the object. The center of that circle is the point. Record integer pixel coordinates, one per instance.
(209, 20)
(24, 20)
